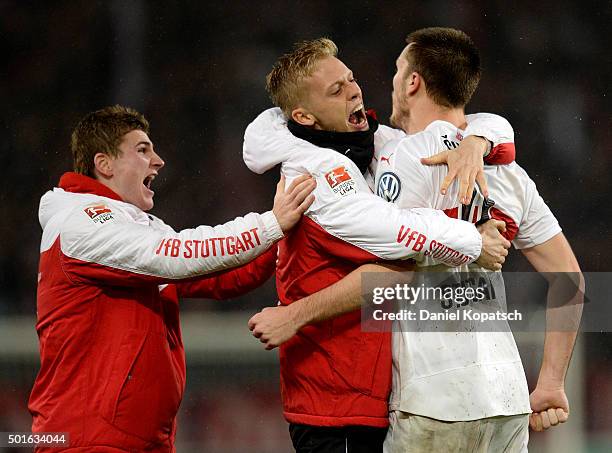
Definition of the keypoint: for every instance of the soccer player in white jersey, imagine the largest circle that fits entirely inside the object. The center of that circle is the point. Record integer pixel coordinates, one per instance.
(335, 380)
(488, 408)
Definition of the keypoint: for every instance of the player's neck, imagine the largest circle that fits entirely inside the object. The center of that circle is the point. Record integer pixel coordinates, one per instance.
(108, 182)
(428, 112)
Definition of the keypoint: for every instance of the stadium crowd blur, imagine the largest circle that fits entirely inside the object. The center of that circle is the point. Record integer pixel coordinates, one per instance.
(197, 70)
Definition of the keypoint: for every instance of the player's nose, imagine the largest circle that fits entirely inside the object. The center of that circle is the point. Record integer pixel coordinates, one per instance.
(157, 161)
(354, 92)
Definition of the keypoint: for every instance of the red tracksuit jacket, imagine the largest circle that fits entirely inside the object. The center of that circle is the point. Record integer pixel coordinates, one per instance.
(112, 359)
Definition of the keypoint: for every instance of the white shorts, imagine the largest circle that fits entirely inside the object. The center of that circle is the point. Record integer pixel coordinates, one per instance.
(409, 433)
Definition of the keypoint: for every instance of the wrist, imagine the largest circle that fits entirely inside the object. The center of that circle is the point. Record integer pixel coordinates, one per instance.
(480, 143)
(546, 382)
(483, 143)
(481, 243)
(299, 314)
(273, 226)
(488, 147)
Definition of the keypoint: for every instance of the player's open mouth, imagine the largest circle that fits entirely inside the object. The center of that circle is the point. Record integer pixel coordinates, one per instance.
(148, 181)
(357, 117)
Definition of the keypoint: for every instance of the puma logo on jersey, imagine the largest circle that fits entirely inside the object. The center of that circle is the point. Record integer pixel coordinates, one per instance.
(383, 159)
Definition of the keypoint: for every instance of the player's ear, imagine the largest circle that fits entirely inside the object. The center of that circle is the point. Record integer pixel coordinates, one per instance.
(103, 164)
(413, 83)
(303, 117)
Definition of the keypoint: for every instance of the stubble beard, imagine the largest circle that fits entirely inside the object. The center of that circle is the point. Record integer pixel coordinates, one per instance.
(400, 118)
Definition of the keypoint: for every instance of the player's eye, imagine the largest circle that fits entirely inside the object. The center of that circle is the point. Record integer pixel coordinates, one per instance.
(142, 150)
(336, 92)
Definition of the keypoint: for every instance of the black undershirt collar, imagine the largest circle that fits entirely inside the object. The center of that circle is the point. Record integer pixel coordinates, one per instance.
(357, 146)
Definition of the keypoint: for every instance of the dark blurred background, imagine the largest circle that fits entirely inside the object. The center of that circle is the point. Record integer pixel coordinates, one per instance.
(196, 70)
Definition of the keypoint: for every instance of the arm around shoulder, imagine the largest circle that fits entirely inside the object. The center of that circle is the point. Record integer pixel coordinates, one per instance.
(123, 252)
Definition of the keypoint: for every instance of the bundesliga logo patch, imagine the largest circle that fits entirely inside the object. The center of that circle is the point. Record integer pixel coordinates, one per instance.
(340, 181)
(99, 213)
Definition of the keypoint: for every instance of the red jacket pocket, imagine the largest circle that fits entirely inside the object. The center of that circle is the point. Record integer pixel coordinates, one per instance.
(363, 361)
(144, 391)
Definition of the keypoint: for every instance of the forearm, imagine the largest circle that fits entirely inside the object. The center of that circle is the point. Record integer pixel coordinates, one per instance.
(563, 314)
(558, 347)
(342, 297)
(405, 233)
(557, 263)
(234, 282)
(276, 325)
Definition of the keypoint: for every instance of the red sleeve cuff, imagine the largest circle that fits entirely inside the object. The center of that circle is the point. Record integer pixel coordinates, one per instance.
(502, 154)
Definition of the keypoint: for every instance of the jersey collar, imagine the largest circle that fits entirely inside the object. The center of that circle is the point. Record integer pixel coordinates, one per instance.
(77, 183)
(436, 124)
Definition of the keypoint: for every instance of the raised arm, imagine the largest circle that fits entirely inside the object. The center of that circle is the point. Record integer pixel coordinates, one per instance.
(275, 325)
(556, 260)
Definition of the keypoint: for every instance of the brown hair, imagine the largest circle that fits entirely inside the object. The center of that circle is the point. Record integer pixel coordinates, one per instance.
(284, 82)
(101, 132)
(448, 61)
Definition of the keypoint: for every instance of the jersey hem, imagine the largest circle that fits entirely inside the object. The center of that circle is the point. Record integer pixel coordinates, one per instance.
(319, 420)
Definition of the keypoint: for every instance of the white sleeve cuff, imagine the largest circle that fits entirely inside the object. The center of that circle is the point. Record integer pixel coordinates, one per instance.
(271, 227)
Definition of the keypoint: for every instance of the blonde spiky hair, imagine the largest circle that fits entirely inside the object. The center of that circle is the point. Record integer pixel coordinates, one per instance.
(284, 82)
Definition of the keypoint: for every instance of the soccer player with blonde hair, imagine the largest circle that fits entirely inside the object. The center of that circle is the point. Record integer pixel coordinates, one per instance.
(335, 380)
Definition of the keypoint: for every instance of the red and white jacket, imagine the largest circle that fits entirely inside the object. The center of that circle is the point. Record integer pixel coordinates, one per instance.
(112, 358)
(332, 374)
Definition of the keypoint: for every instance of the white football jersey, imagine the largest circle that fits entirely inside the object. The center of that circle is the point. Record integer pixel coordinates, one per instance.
(460, 375)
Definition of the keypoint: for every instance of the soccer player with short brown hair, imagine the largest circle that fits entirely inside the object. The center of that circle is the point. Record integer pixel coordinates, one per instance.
(112, 370)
